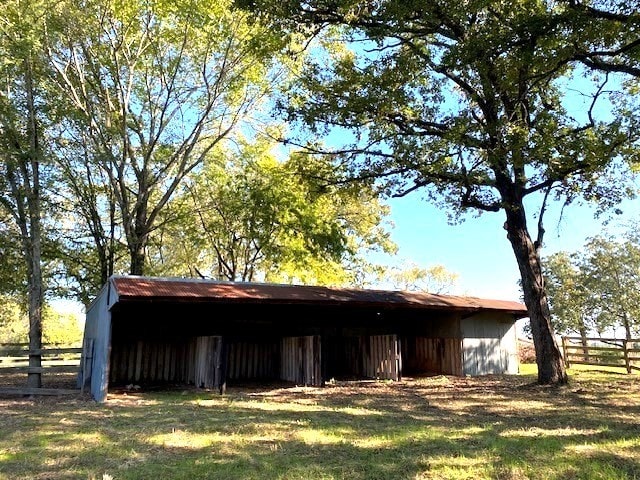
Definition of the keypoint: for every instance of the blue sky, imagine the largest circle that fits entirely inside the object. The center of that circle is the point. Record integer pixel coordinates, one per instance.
(478, 250)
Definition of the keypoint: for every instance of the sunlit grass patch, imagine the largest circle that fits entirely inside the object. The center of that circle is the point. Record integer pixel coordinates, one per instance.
(320, 436)
(443, 427)
(534, 432)
(189, 440)
(456, 467)
(528, 369)
(593, 372)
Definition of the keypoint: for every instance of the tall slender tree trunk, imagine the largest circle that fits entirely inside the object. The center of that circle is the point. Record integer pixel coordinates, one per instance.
(139, 227)
(585, 343)
(33, 254)
(627, 325)
(137, 262)
(34, 378)
(551, 369)
(137, 254)
(25, 190)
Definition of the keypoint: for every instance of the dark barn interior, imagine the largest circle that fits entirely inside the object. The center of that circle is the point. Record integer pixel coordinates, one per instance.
(147, 348)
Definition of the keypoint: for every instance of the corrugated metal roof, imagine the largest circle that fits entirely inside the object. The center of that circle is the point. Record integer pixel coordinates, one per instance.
(132, 288)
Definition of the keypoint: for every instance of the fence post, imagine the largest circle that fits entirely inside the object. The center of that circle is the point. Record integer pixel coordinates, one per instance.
(627, 362)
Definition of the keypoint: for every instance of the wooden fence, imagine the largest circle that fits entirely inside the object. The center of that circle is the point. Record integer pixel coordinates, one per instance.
(14, 357)
(608, 352)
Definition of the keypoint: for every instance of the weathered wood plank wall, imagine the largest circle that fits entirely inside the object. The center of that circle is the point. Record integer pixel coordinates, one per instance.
(382, 359)
(300, 360)
(196, 361)
(199, 361)
(252, 360)
(208, 362)
(363, 356)
(432, 355)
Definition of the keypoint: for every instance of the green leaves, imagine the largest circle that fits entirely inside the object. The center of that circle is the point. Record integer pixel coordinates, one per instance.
(257, 217)
(460, 95)
(149, 90)
(597, 289)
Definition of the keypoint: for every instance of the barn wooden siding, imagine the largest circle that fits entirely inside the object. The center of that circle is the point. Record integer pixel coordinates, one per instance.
(382, 358)
(251, 360)
(208, 363)
(191, 361)
(200, 361)
(362, 356)
(423, 355)
(300, 360)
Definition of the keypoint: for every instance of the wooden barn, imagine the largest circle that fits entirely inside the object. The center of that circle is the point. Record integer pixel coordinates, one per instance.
(150, 331)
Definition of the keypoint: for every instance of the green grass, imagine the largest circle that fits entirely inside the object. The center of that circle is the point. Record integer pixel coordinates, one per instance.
(497, 427)
(532, 369)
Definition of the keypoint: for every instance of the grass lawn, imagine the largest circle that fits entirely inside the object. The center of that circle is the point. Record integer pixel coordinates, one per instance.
(497, 427)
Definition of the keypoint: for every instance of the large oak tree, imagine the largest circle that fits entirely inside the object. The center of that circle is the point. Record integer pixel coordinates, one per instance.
(469, 103)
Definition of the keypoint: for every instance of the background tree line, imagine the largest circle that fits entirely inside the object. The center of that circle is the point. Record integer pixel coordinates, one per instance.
(596, 290)
(156, 137)
(138, 137)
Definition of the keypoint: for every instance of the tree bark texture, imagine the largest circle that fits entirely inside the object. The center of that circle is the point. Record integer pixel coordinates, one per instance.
(32, 231)
(551, 369)
(585, 343)
(137, 260)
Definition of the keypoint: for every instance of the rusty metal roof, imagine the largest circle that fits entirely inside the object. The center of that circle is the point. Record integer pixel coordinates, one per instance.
(134, 288)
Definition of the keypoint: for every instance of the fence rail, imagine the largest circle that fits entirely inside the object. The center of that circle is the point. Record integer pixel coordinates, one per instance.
(606, 352)
(14, 358)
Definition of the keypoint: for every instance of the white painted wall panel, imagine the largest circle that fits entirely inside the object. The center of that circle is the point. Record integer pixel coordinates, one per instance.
(489, 344)
(98, 328)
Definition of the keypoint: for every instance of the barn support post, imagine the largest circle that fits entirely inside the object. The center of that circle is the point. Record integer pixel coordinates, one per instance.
(222, 365)
(398, 359)
(317, 379)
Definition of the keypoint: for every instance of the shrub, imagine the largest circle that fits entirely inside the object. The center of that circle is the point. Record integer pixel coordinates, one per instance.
(526, 351)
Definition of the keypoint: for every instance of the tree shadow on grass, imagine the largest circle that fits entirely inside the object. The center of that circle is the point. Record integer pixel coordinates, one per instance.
(392, 431)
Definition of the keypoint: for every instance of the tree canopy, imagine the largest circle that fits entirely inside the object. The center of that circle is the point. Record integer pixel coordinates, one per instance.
(150, 90)
(117, 122)
(469, 104)
(597, 289)
(250, 216)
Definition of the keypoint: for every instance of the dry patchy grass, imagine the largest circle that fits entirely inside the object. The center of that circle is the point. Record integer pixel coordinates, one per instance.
(498, 427)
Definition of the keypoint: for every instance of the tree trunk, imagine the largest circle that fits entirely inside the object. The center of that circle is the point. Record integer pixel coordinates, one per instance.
(627, 324)
(137, 256)
(34, 379)
(34, 239)
(551, 369)
(585, 343)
